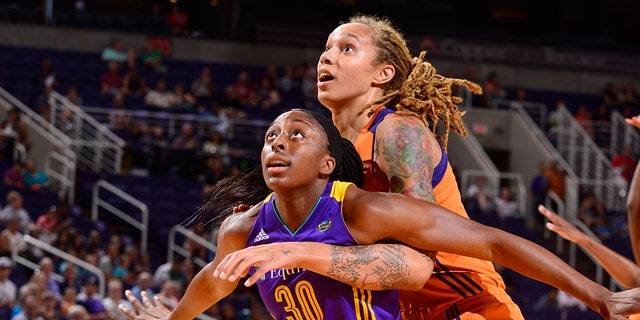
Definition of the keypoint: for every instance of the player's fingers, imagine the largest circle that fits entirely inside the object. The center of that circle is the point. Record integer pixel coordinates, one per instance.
(130, 314)
(134, 301)
(145, 300)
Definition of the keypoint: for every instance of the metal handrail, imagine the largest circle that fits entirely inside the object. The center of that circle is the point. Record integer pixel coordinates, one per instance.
(142, 225)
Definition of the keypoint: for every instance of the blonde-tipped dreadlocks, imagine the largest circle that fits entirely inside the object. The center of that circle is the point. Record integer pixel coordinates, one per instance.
(416, 89)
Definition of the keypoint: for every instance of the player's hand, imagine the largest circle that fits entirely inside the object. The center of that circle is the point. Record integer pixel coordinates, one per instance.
(623, 304)
(560, 225)
(266, 257)
(634, 121)
(145, 310)
(241, 208)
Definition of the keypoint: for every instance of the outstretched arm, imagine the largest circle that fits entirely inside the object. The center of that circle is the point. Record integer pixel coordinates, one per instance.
(622, 269)
(372, 267)
(204, 290)
(424, 225)
(633, 203)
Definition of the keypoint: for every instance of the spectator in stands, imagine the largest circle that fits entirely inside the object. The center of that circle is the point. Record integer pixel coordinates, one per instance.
(114, 297)
(267, 98)
(602, 114)
(217, 146)
(15, 141)
(119, 119)
(203, 86)
(214, 170)
(152, 58)
(478, 197)
(288, 82)
(538, 190)
(240, 91)
(8, 289)
(271, 73)
(186, 139)
(29, 309)
(630, 96)
(593, 214)
(109, 261)
(139, 262)
(583, 116)
(71, 277)
(169, 294)
(612, 97)
(143, 283)
(184, 147)
(160, 98)
(41, 104)
(78, 312)
(554, 119)
(505, 205)
(178, 21)
(134, 84)
(46, 268)
(35, 179)
(114, 53)
(112, 81)
(90, 299)
(493, 91)
(46, 225)
(49, 306)
(69, 295)
(625, 161)
(73, 96)
(157, 21)
(46, 76)
(14, 209)
(184, 101)
(13, 176)
(555, 176)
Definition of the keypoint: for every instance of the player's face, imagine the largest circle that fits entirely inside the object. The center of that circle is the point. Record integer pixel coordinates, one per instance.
(294, 152)
(346, 67)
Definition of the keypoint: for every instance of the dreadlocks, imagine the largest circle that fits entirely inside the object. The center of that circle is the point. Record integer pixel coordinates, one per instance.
(250, 188)
(416, 89)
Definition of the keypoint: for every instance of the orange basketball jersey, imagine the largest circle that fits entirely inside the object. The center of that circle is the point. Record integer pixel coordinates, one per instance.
(460, 287)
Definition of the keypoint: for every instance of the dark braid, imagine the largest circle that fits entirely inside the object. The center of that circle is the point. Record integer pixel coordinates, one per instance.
(351, 169)
(246, 188)
(249, 187)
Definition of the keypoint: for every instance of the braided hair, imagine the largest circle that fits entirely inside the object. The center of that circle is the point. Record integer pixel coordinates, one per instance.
(416, 89)
(250, 188)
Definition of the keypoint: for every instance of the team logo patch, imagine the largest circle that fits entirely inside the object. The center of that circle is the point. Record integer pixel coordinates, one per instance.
(261, 236)
(322, 227)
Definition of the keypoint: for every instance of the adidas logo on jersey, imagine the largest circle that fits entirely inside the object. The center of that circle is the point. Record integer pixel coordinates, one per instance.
(261, 236)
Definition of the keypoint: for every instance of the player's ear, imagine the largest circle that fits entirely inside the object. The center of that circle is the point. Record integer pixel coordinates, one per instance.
(385, 73)
(328, 165)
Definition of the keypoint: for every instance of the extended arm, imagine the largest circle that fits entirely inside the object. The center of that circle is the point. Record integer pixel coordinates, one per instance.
(203, 291)
(633, 203)
(622, 269)
(425, 225)
(373, 267)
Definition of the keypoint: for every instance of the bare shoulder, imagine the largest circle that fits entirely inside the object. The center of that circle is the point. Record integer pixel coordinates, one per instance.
(407, 127)
(236, 227)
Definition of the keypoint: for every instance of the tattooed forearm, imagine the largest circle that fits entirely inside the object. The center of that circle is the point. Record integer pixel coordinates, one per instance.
(382, 266)
(404, 153)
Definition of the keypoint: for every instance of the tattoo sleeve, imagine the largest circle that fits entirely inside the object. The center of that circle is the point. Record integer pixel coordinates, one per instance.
(403, 152)
(384, 266)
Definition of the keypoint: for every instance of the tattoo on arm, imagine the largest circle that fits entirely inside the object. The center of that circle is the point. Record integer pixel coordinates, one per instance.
(364, 265)
(405, 149)
(286, 252)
